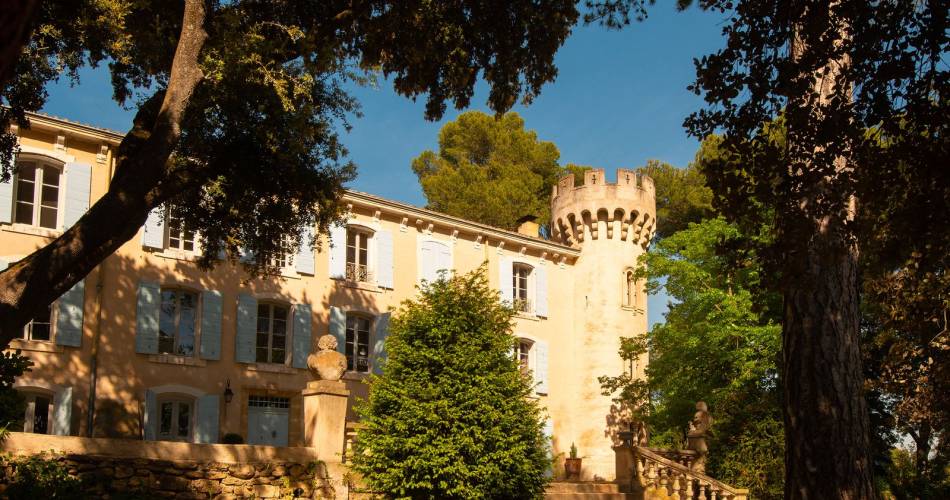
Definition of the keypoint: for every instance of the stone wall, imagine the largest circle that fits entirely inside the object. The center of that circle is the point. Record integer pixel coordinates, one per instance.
(130, 469)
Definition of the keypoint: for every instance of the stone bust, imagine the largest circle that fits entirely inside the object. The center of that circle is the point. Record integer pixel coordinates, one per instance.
(327, 363)
(702, 421)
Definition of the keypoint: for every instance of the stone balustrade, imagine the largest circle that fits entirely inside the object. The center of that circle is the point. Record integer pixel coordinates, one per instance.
(660, 478)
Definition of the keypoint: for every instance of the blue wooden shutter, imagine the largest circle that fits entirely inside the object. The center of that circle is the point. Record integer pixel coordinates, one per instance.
(153, 233)
(146, 318)
(211, 324)
(504, 279)
(301, 340)
(379, 342)
(540, 349)
(304, 259)
(78, 186)
(63, 411)
(247, 255)
(69, 311)
(541, 291)
(246, 337)
(150, 417)
(338, 328)
(384, 259)
(338, 251)
(6, 201)
(206, 427)
(3, 264)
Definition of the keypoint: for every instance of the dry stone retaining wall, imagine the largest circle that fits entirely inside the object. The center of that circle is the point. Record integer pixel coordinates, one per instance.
(106, 477)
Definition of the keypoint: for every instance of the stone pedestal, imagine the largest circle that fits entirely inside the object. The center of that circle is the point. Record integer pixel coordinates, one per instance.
(324, 416)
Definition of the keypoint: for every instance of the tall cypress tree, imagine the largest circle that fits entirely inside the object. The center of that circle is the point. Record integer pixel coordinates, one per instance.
(450, 416)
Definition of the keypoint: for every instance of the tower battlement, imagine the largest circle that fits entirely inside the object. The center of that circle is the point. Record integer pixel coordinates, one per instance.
(624, 210)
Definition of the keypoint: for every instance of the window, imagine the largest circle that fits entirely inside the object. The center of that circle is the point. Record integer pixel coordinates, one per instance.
(177, 322)
(629, 290)
(272, 333)
(39, 411)
(180, 236)
(40, 327)
(357, 255)
(174, 419)
(267, 402)
(280, 257)
(357, 343)
(37, 194)
(524, 354)
(519, 286)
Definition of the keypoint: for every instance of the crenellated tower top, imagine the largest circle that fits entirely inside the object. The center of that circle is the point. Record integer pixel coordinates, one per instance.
(624, 210)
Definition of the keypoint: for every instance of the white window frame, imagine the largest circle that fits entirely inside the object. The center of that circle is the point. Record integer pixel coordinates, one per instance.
(371, 320)
(176, 400)
(198, 310)
(30, 411)
(526, 304)
(351, 273)
(288, 327)
(40, 160)
(196, 248)
(630, 296)
(525, 358)
(28, 328)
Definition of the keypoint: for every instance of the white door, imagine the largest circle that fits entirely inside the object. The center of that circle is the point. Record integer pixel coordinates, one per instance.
(268, 420)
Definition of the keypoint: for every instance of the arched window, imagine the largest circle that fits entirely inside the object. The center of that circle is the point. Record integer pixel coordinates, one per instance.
(38, 417)
(38, 186)
(357, 342)
(523, 354)
(272, 333)
(629, 289)
(178, 322)
(520, 287)
(357, 254)
(175, 417)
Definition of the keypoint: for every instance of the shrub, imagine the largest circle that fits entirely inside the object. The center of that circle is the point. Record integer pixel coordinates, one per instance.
(232, 438)
(450, 416)
(40, 476)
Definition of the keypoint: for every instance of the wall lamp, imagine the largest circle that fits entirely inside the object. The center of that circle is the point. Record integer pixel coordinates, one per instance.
(228, 393)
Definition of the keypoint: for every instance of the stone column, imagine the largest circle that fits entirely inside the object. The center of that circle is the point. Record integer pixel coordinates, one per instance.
(324, 416)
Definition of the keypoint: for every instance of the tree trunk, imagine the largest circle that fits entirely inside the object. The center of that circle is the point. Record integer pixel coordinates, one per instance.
(16, 22)
(141, 182)
(826, 418)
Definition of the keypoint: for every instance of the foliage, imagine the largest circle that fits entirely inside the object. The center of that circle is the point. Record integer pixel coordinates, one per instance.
(903, 480)
(12, 404)
(40, 476)
(490, 170)
(681, 195)
(720, 344)
(450, 416)
(232, 438)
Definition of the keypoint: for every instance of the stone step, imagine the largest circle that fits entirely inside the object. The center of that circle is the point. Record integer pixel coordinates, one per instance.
(585, 491)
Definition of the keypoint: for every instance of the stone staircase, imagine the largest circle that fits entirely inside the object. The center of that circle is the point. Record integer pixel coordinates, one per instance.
(586, 491)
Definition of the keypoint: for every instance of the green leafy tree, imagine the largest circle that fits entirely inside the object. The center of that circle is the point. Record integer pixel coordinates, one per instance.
(833, 71)
(682, 195)
(720, 344)
(489, 170)
(451, 415)
(12, 403)
(239, 104)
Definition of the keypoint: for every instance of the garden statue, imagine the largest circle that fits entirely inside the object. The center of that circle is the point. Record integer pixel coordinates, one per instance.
(327, 363)
(699, 432)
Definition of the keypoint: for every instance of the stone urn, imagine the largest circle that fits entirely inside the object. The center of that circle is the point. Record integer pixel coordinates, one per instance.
(327, 363)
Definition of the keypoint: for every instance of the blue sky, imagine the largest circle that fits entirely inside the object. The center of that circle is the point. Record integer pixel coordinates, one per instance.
(619, 100)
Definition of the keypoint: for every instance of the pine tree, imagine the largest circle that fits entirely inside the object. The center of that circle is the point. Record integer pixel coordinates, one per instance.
(450, 416)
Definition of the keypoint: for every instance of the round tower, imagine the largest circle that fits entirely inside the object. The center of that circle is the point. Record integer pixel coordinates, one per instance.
(611, 224)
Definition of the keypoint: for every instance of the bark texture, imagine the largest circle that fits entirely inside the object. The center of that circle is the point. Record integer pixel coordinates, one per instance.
(141, 182)
(826, 416)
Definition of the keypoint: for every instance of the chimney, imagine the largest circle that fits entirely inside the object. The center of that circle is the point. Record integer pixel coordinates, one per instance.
(527, 226)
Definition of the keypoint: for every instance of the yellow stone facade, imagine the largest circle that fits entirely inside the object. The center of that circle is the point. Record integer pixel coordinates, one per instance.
(575, 289)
